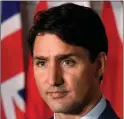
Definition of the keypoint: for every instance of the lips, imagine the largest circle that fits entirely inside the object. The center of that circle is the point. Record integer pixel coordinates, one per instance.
(56, 95)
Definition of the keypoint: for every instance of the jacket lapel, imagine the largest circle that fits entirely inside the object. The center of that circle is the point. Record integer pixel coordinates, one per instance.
(108, 113)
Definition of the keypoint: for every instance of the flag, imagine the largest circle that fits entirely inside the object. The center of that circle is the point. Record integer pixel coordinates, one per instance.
(112, 16)
(36, 108)
(12, 78)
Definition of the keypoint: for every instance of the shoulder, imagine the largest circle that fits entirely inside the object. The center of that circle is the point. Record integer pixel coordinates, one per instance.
(108, 113)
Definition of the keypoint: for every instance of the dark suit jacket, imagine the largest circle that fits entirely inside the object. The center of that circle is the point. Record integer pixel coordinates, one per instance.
(108, 113)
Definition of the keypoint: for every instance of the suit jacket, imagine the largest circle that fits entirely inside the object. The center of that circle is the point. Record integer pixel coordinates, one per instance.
(108, 113)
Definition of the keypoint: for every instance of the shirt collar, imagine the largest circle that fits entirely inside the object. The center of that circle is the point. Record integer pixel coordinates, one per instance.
(96, 111)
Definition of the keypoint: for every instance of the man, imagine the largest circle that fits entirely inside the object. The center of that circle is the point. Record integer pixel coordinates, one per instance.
(69, 48)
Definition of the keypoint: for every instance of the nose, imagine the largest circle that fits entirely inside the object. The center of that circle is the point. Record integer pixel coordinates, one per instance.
(54, 76)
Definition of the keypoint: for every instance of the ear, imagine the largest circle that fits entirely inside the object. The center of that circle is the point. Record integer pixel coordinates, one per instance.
(100, 64)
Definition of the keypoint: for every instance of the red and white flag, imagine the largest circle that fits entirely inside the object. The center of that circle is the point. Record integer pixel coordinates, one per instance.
(12, 83)
(112, 16)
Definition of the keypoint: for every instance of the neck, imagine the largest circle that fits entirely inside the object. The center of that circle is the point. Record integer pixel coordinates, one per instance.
(84, 111)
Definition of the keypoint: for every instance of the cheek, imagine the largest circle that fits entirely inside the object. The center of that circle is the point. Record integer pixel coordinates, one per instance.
(77, 76)
(73, 79)
(39, 80)
(79, 81)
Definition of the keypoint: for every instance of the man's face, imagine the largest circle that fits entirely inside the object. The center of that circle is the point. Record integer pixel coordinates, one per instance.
(64, 75)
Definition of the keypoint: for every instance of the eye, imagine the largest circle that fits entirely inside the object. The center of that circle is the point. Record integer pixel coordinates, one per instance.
(40, 63)
(69, 62)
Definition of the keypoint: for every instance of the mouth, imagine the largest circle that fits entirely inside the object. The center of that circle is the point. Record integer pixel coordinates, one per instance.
(57, 95)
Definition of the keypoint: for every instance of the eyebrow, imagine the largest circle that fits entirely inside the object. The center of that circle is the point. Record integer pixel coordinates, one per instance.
(64, 56)
(39, 58)
(60, 56)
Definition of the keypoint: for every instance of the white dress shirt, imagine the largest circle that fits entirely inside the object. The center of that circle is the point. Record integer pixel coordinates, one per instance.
(96, 111)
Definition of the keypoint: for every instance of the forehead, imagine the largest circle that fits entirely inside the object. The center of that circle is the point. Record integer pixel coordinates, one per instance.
(52, 45)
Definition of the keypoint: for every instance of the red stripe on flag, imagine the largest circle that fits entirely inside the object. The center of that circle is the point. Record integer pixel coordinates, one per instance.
(12, 50)
(112, 83)
(19, 114)
(41, 6)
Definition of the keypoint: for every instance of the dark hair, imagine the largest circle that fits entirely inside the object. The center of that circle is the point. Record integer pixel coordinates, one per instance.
(74, 24)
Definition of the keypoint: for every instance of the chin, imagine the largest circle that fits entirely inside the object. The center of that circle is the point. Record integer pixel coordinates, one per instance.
(73, 108)
(59, 108)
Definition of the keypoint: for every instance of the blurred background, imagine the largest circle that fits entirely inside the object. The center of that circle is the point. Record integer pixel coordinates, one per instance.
(19, 96)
